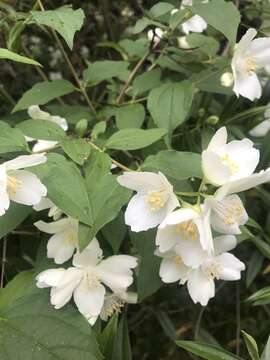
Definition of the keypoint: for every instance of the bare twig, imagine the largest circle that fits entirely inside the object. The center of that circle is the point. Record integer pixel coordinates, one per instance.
(4, 261)
(71, 67)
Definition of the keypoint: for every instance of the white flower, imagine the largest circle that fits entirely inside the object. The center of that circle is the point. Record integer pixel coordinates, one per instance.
(36, 113)
(221, 266)
(228, 213)
(86, 280)
(195, 24)
(152, 203)
(114, 302)
(20, 186)
(188, 232)
(155, 34)
(222, 162)
(46, 203)
(249, 56)
(183, 43)
(262, 128)
(64, 241)
(201, 281)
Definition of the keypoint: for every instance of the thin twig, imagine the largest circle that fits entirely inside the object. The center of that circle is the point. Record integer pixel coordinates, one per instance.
(238, 320)
(4, 261)
(71, 67)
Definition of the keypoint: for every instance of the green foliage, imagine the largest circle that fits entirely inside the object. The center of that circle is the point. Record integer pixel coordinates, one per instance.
(41, 129)
(99, 71)
(43, 92)
(13, 217)
(64, 20)
(11, 139)
(10, 55)
(26, 332)
(251, 346)
(130, 116)
(77, 149)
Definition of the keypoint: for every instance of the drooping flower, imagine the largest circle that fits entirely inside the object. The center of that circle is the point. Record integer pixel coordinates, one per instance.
(222, 162)
(250, 55)
(46, 203)
(36, 113)
(201, 281)
(86, 280)
(20, 186)
(228, 213)
(196, 23)
(263, 127)
(155, 35)
(64, 241)
(188, 232)
(154, 200)
(221, 266)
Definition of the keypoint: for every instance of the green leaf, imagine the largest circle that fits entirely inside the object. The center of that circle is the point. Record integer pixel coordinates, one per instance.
(64, 20)
(115, 232)
(66, 187)
(206, 44)
(122, 349)
(11, 140)
(141, 24)
(98, 129)
(216, 13)
(170, 104)
(133, 139)
(146, 81)
(23, 284)
(108, 337)
(77, 149)
(42, 129)
(10, 55)
(266, 351)
(160, 9)
(177, 18)
(251, 346)
(262, 246)
(254, 267)
(148, 278)
(261, 297)
(43, 92)
(15, 215)
(206, 351)
(130, 116)
(107, 198)
(31, 328)
(99, 71)
(176, 164)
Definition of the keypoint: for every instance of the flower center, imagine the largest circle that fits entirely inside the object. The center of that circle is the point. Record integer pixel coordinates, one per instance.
(187, 230)
(113, 304)
(156, 199)
(178, 260)
(250, 66)
(230, 213)
(234, 168)
(92, 279)
(211, 270)
(72, 238)
(13, 184)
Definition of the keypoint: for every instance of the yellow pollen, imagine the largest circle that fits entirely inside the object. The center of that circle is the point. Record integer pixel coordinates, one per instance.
(177, 260)
(113, 306)
(250, 65)
(156, 199)
(233, 213)
(13, 184)
(234, 168)
(92, 279)
(187, 230)
(212, 270)
(72, 238)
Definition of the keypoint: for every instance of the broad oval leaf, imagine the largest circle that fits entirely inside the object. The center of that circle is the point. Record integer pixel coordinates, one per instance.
(104, 70)
(133, 139)
(77, 149)
(42, 129)
(170, 104)
(43, 92)
(216, 13)
(11, 139)
(31, 328)
(176, 164)
(130, 116)
(64, 20)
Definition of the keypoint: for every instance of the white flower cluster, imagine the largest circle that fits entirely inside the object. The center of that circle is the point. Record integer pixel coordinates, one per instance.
(194, 241)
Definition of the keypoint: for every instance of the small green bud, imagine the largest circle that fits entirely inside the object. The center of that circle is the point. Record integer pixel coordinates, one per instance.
(201, 112)
(81, 127)
(212, 120)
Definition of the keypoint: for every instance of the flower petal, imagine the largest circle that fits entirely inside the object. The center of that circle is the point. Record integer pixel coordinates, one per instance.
(91, 255)
(247, 85)
(141, 181)
(200, 287)
(224, 243)
(30, 190)
(59, 248)
(24, 161)
(43, 145)
(218, 140)
(172, 270)
(231, 267)
(53, 227)
(261, 129)
(51, 277)
(4, 203)
(214, 170)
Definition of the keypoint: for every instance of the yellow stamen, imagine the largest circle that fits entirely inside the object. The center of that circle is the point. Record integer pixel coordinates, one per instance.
(234, 168)
(250, 66)
(156, 199)
(187, 230)
(178, 260)
(13, 184)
